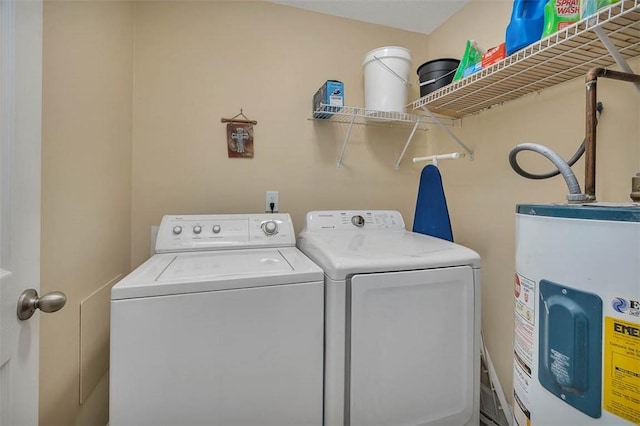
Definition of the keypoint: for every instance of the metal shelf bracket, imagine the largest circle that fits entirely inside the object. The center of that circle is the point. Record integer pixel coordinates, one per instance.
(613, 51)
(346, 139)
(406, 145)
(448, 131)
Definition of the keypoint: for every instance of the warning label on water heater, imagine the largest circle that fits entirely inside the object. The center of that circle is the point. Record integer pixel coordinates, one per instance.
(622, 368)
(524, 292)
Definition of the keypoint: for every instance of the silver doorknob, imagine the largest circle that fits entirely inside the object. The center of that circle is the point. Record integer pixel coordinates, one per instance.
(29, 301)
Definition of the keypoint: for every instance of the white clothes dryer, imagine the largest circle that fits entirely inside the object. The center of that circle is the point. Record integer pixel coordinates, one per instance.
(223, 326)
(402, 321)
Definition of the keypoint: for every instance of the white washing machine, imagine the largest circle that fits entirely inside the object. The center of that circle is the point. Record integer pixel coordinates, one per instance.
(223, 326)
(402, 321)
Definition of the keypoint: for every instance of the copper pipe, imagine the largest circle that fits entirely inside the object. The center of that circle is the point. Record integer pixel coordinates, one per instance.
(590, 134)
(590, 131)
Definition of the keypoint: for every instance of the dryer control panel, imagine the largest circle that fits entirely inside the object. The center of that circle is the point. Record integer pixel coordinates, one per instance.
(344, 220)
(224, 232)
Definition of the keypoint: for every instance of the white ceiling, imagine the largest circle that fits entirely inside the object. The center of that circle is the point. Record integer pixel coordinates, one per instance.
(421, 16)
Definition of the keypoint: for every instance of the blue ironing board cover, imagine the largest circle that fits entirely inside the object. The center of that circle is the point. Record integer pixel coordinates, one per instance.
(432, 216)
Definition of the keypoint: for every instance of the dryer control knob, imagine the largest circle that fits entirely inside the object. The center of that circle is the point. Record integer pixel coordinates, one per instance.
(358, 221)
(216, 229)
(270, 227)
(177, 230)
(197, 229)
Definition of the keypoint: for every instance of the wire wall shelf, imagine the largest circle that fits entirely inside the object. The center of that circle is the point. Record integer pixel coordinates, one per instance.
(353, 115)
(367, 117)
(611, 36)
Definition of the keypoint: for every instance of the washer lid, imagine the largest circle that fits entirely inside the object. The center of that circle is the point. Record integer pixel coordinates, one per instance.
(344, 253)
(179, 273)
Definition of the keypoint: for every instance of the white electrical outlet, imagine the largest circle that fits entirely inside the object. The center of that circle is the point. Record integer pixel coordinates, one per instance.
(271, 197)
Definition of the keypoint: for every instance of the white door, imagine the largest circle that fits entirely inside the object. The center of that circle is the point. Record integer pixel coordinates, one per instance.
(20, 135)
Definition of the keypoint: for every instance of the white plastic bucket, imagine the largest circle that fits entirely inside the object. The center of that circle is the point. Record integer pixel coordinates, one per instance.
(386, 79)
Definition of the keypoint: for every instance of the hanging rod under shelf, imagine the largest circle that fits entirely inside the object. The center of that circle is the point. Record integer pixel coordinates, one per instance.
(435, 158)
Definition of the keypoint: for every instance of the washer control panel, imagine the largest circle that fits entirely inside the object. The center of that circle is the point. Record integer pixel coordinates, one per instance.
(224, 232)
(343, 220)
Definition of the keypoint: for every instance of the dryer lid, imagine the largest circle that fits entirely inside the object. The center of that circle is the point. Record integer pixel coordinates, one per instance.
(344, 246)
(179, 273)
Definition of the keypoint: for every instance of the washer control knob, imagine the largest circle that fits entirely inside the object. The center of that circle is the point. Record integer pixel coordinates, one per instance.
(358, 221)
(177, 230)
(197, 229)
(270, 227)
(216, 229)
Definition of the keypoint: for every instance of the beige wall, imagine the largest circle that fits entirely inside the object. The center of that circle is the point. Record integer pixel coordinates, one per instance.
(482, 194)
(112, 167)
(86, 192)
(196, 62)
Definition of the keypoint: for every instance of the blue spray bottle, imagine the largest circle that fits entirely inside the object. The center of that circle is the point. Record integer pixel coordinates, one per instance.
(527, 22)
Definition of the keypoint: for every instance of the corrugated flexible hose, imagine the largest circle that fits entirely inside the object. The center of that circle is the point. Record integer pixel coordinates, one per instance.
(562, 167)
